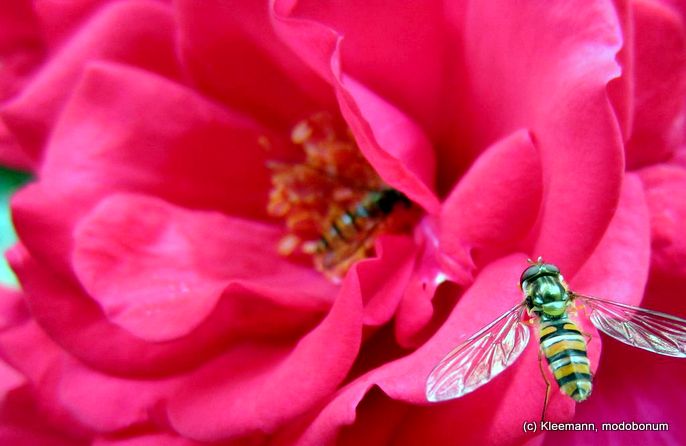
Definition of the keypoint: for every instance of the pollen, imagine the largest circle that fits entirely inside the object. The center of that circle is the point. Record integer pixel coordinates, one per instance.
(332, 202)
(288, 244)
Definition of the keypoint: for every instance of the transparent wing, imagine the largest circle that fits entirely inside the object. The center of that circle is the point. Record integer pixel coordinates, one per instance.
(480, 358)
(650, 330)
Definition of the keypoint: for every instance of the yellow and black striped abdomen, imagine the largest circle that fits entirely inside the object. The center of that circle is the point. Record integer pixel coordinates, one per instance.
(351, 226)
(565, 349)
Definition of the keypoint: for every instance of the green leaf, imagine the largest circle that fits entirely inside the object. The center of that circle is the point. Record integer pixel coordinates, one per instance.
(10, 181)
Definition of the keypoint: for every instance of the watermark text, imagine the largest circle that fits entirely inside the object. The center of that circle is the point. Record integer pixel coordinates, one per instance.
(550, 426)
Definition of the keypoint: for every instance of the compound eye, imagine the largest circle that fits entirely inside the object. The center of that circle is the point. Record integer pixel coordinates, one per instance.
(529, 273)
(551, 268)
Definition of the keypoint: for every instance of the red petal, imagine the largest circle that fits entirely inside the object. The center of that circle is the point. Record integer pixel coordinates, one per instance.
(618, 268)
(232, 53)
(9, 379)
(30, 351)
(495, 204)
(106, 403)
(160, 129)
(73, 395)
(133, 32)
(21, 50)
(154, 439)
(400, 56)
(11, 153)
(167, 275)
(621, 89)
(79, 326)
(665, 188)
(383, 279)
(631, 386)
(21, 46)
(546, 69)
(60, 20)
(487, 214)
(393, 144)
(23, 423)
(660, 90)
(168, 141)
(12, 307)
(257, 388)
(432, 268)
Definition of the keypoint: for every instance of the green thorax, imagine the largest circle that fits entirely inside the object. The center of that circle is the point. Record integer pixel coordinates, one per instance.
(545, 290)
(380, 203)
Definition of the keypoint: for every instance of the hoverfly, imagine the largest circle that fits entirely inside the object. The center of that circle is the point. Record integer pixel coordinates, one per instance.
(333, 202)
(547, 299)
(349, 233)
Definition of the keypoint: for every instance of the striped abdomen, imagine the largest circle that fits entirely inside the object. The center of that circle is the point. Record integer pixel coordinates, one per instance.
(565, 349)
(356, 222)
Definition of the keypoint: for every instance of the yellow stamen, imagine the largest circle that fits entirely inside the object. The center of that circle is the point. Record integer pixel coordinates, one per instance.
(325, 200)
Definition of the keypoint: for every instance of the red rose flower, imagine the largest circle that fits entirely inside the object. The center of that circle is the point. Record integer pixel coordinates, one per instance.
(157, 308)
(194, 309)
(512, 71)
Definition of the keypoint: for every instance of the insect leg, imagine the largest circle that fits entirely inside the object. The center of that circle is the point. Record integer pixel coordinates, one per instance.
(573, 310)
(547, 384)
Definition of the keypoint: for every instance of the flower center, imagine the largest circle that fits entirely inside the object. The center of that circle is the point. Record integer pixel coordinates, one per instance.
(333, 203)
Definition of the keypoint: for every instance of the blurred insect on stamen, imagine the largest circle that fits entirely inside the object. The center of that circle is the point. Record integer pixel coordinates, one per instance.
(333, 202)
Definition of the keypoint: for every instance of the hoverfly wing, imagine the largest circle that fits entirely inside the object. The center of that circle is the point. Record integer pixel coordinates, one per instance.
(650, 330)
(480, 358)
